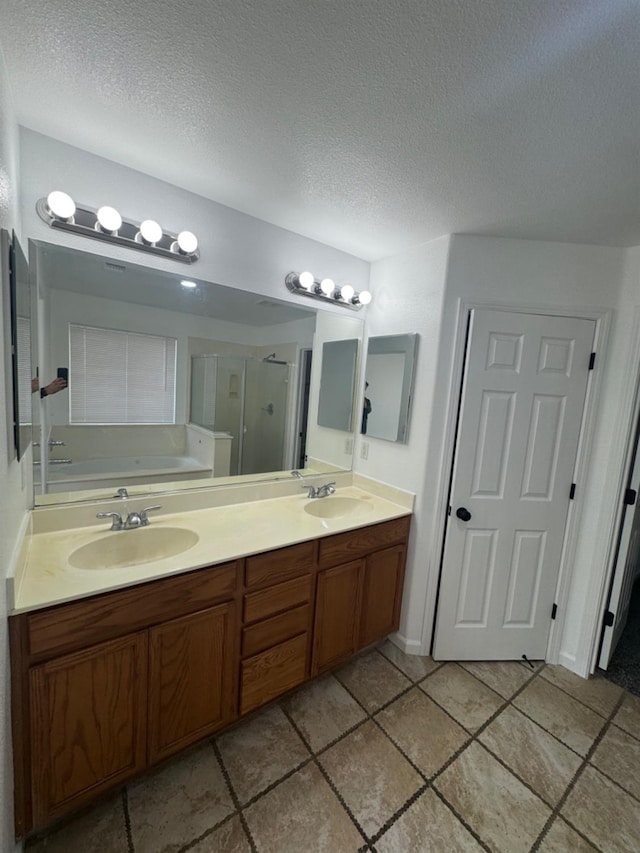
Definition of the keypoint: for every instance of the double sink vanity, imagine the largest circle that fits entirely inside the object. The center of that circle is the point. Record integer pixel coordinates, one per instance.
(130, 645)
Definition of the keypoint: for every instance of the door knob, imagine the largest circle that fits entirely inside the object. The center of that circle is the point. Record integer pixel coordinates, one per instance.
(463, 513)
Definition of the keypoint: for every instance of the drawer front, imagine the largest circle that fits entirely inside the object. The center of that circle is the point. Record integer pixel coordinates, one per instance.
(270, 632)
(275, 599)
(112, 614)
(356, 543)
(281, 565)
(273, 672)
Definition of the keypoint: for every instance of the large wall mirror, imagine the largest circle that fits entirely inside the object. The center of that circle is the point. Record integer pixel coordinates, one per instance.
(388, 385)
(172, 382)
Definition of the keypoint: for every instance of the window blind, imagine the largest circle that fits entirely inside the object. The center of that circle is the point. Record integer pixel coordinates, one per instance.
(121, 377)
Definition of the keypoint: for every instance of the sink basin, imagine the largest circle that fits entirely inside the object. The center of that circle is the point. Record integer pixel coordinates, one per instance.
(336, 507)
(120, 549)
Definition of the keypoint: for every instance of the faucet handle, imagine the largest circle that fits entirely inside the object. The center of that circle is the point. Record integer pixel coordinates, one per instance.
(143, 513)
(117, 523)
(122, 493)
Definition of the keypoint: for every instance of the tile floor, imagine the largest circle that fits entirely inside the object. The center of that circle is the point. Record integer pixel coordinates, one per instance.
(395, 754)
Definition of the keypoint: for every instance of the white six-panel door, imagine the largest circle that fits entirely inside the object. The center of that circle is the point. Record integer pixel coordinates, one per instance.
(521, 410)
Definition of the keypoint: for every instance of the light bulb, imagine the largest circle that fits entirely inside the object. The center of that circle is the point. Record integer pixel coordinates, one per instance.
(61, 205)
(347, 292)
(150, 231)
(190, 284)
(306, 280)
(109, 219)
(327, 286)
(187, 242)
(364, 297)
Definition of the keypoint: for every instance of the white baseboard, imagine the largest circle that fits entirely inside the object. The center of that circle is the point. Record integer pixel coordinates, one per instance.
(409, 647)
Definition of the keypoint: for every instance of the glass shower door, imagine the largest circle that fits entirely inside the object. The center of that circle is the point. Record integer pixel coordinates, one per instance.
(265, 417)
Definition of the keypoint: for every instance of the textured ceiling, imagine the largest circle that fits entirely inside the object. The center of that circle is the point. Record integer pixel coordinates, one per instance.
(370, 125)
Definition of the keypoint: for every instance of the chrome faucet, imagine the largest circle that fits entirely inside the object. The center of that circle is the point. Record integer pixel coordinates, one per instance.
(322, 491)
(122, 493)
(133, 520)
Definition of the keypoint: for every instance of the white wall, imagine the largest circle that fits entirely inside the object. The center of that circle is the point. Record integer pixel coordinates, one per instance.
(236, 250)
(408, 291)
(14, 493)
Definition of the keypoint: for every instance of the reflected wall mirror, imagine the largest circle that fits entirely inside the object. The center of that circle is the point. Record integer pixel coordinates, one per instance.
(337, 384)
(19, 386)
(171, 385)
(388, 385)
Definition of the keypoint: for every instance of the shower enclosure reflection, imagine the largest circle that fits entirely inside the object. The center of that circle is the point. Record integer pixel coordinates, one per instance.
(243, 403)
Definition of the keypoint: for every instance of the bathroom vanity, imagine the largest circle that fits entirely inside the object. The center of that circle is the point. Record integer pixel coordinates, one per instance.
(108, 684)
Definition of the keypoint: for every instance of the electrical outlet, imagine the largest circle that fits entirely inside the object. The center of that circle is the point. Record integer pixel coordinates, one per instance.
(364, 450)
(348, 446)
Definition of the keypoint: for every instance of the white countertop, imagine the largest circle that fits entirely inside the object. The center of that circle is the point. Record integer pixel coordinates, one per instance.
(46, 576)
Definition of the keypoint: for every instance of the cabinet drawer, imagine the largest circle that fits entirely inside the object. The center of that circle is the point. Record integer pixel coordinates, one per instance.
(283, 596)
(273, 672)
(113, 614)
(356, 543)
(280, 565)
(270, 632)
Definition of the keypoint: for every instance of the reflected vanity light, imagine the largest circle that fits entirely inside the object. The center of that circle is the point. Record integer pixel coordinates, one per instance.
(60, 211)
(188, 284)
(326, 289)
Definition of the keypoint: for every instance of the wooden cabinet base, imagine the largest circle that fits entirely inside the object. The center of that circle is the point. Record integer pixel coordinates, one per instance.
(105, 687)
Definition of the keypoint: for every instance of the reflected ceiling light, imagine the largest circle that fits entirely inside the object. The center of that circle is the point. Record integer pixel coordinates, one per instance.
(61, 205)
(190, 284)
(60, 211)
(108, 219)
(150, 231)
(306, 284)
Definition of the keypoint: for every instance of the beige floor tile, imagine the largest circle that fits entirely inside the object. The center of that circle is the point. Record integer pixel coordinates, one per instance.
(596, 692)
(422, 730)
(428, 826)
(323, 711)
(302, 813)
(503, 676)
(414, 667)
(98, 830)
(628, 716)
(371, 775)
(178, 802)
(230, 838)
(496, 805)
(260, 751)
(604, 813)
(534, 755)
(618, 756)
(373, 680)
(468, 700)
(565, 717)
(561, 839)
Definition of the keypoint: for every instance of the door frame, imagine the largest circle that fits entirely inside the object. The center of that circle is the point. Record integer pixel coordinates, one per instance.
(627, 424)
(602, 318)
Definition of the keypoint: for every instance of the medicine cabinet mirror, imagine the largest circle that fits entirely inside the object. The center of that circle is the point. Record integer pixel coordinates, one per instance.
(388, 386)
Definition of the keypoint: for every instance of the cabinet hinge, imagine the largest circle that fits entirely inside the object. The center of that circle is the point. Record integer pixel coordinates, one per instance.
(449, 511)
(592, 361)
(554, 610)
(572, 491)
(630, 497)
(608, 618)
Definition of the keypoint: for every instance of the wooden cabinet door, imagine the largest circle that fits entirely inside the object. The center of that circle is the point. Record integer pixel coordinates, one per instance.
(88, 728)
(192, 670)
(336, 619)
(381, 594)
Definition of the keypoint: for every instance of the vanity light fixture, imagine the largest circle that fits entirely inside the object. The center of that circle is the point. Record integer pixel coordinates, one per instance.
(326, 289)
(60, 211)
